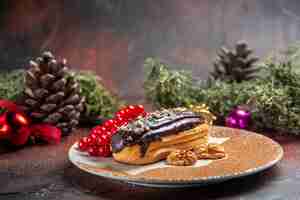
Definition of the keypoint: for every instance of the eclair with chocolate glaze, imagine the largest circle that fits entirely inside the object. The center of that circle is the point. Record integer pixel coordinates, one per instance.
(152, 138)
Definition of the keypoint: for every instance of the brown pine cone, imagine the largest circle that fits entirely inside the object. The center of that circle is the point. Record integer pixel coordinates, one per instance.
(52, 95)
(182, 158)
(236, 64)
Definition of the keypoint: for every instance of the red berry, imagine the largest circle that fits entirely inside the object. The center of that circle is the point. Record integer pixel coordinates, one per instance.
(82, 146)
(105, 138)
(141, 107)
(93, 136)
(101, 151)
(104, 151)
(120, 121)
(128, 113)
(113, 130)
(93, 151)
(102, 129)
(100, 141)
(121, 113)
(118, 115)
(109, 123)
(109, 134)
(90, 141)
(84, 140)
(131, 108)
(97, 130)
(107, 151)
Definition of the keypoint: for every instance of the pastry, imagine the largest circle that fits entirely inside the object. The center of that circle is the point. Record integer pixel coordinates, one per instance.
(152, 138)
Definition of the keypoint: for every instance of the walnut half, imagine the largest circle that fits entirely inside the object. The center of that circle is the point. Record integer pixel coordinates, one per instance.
(182, 158)
(213, 151)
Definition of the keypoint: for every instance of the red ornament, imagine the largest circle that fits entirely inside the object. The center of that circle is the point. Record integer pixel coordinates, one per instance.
(21, 136)
(5, 129)
(10, 106)
(46, 132)
(16, 126)
(20, 120)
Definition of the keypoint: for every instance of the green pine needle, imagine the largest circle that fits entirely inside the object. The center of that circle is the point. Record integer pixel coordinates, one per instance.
(11, 84)
(274, 98)
(99, 101)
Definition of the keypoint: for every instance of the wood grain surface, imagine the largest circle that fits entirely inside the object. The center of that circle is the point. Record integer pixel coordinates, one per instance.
(44, 173)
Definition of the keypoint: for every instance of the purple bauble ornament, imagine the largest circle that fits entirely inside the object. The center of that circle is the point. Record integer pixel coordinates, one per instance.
(231, 122)
(238, 118)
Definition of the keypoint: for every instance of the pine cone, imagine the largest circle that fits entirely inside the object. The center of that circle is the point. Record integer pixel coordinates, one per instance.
(51, 93)
(235, 65)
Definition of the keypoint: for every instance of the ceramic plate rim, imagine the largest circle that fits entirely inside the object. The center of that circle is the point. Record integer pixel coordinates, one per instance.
(196, 180)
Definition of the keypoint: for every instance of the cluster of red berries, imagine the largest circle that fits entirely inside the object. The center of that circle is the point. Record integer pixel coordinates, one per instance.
(98, 141)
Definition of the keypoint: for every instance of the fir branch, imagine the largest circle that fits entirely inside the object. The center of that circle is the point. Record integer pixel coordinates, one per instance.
(165, 87)
(11, 84)
(274, 97)
(99, 101)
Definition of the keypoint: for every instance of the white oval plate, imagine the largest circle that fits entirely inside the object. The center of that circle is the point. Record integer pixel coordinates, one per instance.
(244, 145)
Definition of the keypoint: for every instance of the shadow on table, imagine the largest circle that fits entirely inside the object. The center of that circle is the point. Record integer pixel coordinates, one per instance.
(98, 186)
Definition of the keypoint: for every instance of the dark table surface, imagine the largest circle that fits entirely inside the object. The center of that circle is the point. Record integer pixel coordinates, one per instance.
(43, 172)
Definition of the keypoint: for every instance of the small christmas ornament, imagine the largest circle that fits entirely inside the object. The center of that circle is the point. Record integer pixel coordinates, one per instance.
(238, 118)
(235, 65)
(52, 95)
(16, 127)
(98, 141)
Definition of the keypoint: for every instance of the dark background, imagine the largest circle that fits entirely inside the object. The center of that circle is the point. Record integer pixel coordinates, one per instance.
(113, 37)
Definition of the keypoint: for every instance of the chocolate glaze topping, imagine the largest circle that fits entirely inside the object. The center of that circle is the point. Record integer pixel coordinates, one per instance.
(151, 128)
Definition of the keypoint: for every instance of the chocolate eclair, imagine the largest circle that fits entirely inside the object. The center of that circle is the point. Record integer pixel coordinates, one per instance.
(152, 138)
